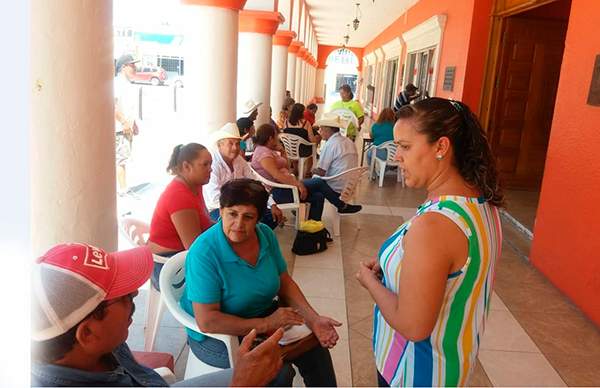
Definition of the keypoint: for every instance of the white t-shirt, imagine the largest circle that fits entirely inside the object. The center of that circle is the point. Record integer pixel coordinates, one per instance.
(124, 101)
(338, 155)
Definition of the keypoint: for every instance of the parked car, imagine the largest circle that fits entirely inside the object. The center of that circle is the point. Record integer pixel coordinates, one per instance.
(153, 75)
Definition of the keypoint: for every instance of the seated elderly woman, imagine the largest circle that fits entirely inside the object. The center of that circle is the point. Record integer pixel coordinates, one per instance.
(180, 215)
(270, 161)
(233, 273)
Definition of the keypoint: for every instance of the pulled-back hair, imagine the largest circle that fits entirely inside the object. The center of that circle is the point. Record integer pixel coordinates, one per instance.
(263, 134)
(438, 117)
(296, 114)
(287, 102)
(183, 153)
(244, 192)
(348, 89)
(386, 115)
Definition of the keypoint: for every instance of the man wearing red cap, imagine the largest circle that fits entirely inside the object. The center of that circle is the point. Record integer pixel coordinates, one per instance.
(81, 309)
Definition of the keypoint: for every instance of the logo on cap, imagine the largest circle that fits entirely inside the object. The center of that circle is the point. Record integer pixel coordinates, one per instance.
(97, 259)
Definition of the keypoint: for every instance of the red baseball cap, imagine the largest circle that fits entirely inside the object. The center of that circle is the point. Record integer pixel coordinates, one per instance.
(71, 280)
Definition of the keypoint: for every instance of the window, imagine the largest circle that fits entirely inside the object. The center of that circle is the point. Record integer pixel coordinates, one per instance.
(419, 70)
(391, 75)
(378, 85)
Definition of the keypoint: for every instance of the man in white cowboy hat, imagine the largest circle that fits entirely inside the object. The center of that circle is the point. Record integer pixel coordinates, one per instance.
(337, 155)
(251, 109)
(227, 164)
(81, 309)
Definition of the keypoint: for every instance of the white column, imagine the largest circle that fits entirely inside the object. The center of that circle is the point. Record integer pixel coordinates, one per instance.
(319, 83)
(254, 73)
(73, 167)
(291, 72)
(299, 70)
(279, 68)
(255, 58)
(211, 58)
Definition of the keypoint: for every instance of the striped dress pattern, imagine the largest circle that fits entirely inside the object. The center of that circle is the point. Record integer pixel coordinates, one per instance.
(447, 357)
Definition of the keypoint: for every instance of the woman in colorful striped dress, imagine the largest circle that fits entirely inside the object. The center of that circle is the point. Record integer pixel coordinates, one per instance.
(433, 280)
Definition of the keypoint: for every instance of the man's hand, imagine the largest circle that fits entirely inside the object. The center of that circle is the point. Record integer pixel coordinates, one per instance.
(258, 367)
(136, 130)
(277, 214)
(324, 330)
(126, 127)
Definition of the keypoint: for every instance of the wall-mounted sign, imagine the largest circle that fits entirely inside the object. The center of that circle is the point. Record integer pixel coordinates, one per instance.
(449, 79)
(594, 96)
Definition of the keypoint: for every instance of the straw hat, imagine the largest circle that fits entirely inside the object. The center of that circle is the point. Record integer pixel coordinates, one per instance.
(331, 120)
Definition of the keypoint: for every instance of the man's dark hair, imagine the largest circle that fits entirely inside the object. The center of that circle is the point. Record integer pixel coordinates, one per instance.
(54, 349)
(244, 125)
(244, 192)
(312, 106)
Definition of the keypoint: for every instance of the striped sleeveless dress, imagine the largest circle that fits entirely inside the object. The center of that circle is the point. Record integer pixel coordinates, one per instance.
(447, 357)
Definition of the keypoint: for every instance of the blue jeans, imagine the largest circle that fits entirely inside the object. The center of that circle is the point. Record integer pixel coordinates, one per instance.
(158, 268)
(381, 154)
(315, 366)
(318, 190)
(213, 352)
(266, 219)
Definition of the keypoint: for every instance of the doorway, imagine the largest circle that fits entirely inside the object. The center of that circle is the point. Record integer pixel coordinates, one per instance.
(391, 74)
(521, 100)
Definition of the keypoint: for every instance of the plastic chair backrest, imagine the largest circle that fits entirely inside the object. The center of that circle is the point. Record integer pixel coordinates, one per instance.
(267, 182)
(348, 116)
(172, 285)
(392, 148)
(351, 179)
(292, 143)
(135, 231)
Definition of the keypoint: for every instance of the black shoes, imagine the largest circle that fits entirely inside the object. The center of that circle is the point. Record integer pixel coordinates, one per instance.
(349, 209)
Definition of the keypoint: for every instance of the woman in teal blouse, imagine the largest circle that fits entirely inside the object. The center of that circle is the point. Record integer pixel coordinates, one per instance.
(382, 131)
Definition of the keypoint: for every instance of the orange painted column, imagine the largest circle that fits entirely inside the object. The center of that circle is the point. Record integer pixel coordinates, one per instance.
(279, 68)
(211, 56)
(255, 53)
(298, 95)
(72, 165)
(291, 71)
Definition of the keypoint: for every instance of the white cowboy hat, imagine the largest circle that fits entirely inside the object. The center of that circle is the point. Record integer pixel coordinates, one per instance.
(250, 105)
(227, 131)
(331, 120)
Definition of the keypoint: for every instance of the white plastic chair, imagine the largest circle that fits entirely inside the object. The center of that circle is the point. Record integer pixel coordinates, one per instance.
(391, 148)
(299, 206)
(136, 233)
(349, 117)
(292, 144)
(172, 284)
(351, 179)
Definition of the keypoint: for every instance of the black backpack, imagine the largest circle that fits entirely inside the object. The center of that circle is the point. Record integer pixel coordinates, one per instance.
(307, 243)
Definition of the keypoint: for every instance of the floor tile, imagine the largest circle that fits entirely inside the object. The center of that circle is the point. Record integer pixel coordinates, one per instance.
(333, 308)
(479, 378)
(376, 209)
(323, 283)
(561, 334)
(503, 332)
(340, 355)
(328, 259)
(515, 369)
(358, 302)
(181, 363)
(370, 225)
(369, 246)
(364, 327)
(405, 212)
(352, 259)
(497, 303)
(168, 320)
(576, 371)
(364, 373)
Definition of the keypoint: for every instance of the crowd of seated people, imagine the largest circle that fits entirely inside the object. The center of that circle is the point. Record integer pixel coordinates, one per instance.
(237, 281)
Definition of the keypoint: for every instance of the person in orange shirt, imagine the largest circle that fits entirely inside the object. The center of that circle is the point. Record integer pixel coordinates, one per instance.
(310, 113)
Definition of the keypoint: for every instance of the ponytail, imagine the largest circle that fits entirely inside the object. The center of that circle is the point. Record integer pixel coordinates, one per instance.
(183, 153)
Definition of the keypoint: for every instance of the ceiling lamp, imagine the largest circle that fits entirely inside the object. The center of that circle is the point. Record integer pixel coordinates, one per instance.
(347, 36)
(356, 21)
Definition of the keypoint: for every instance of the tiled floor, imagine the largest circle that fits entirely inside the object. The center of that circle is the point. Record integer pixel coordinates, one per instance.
(534, 337)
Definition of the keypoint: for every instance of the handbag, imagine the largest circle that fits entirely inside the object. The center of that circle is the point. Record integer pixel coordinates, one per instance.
(308, 243)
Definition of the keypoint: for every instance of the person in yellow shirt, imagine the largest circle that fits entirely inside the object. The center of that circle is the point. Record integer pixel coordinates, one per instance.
(349, 103)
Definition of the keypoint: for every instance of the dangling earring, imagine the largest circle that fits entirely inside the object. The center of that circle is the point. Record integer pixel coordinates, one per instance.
(439, 158)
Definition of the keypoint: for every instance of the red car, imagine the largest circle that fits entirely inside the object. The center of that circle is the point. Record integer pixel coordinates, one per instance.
(153, 75)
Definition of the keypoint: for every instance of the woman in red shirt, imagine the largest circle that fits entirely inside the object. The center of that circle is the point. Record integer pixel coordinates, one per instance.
(180, 215)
